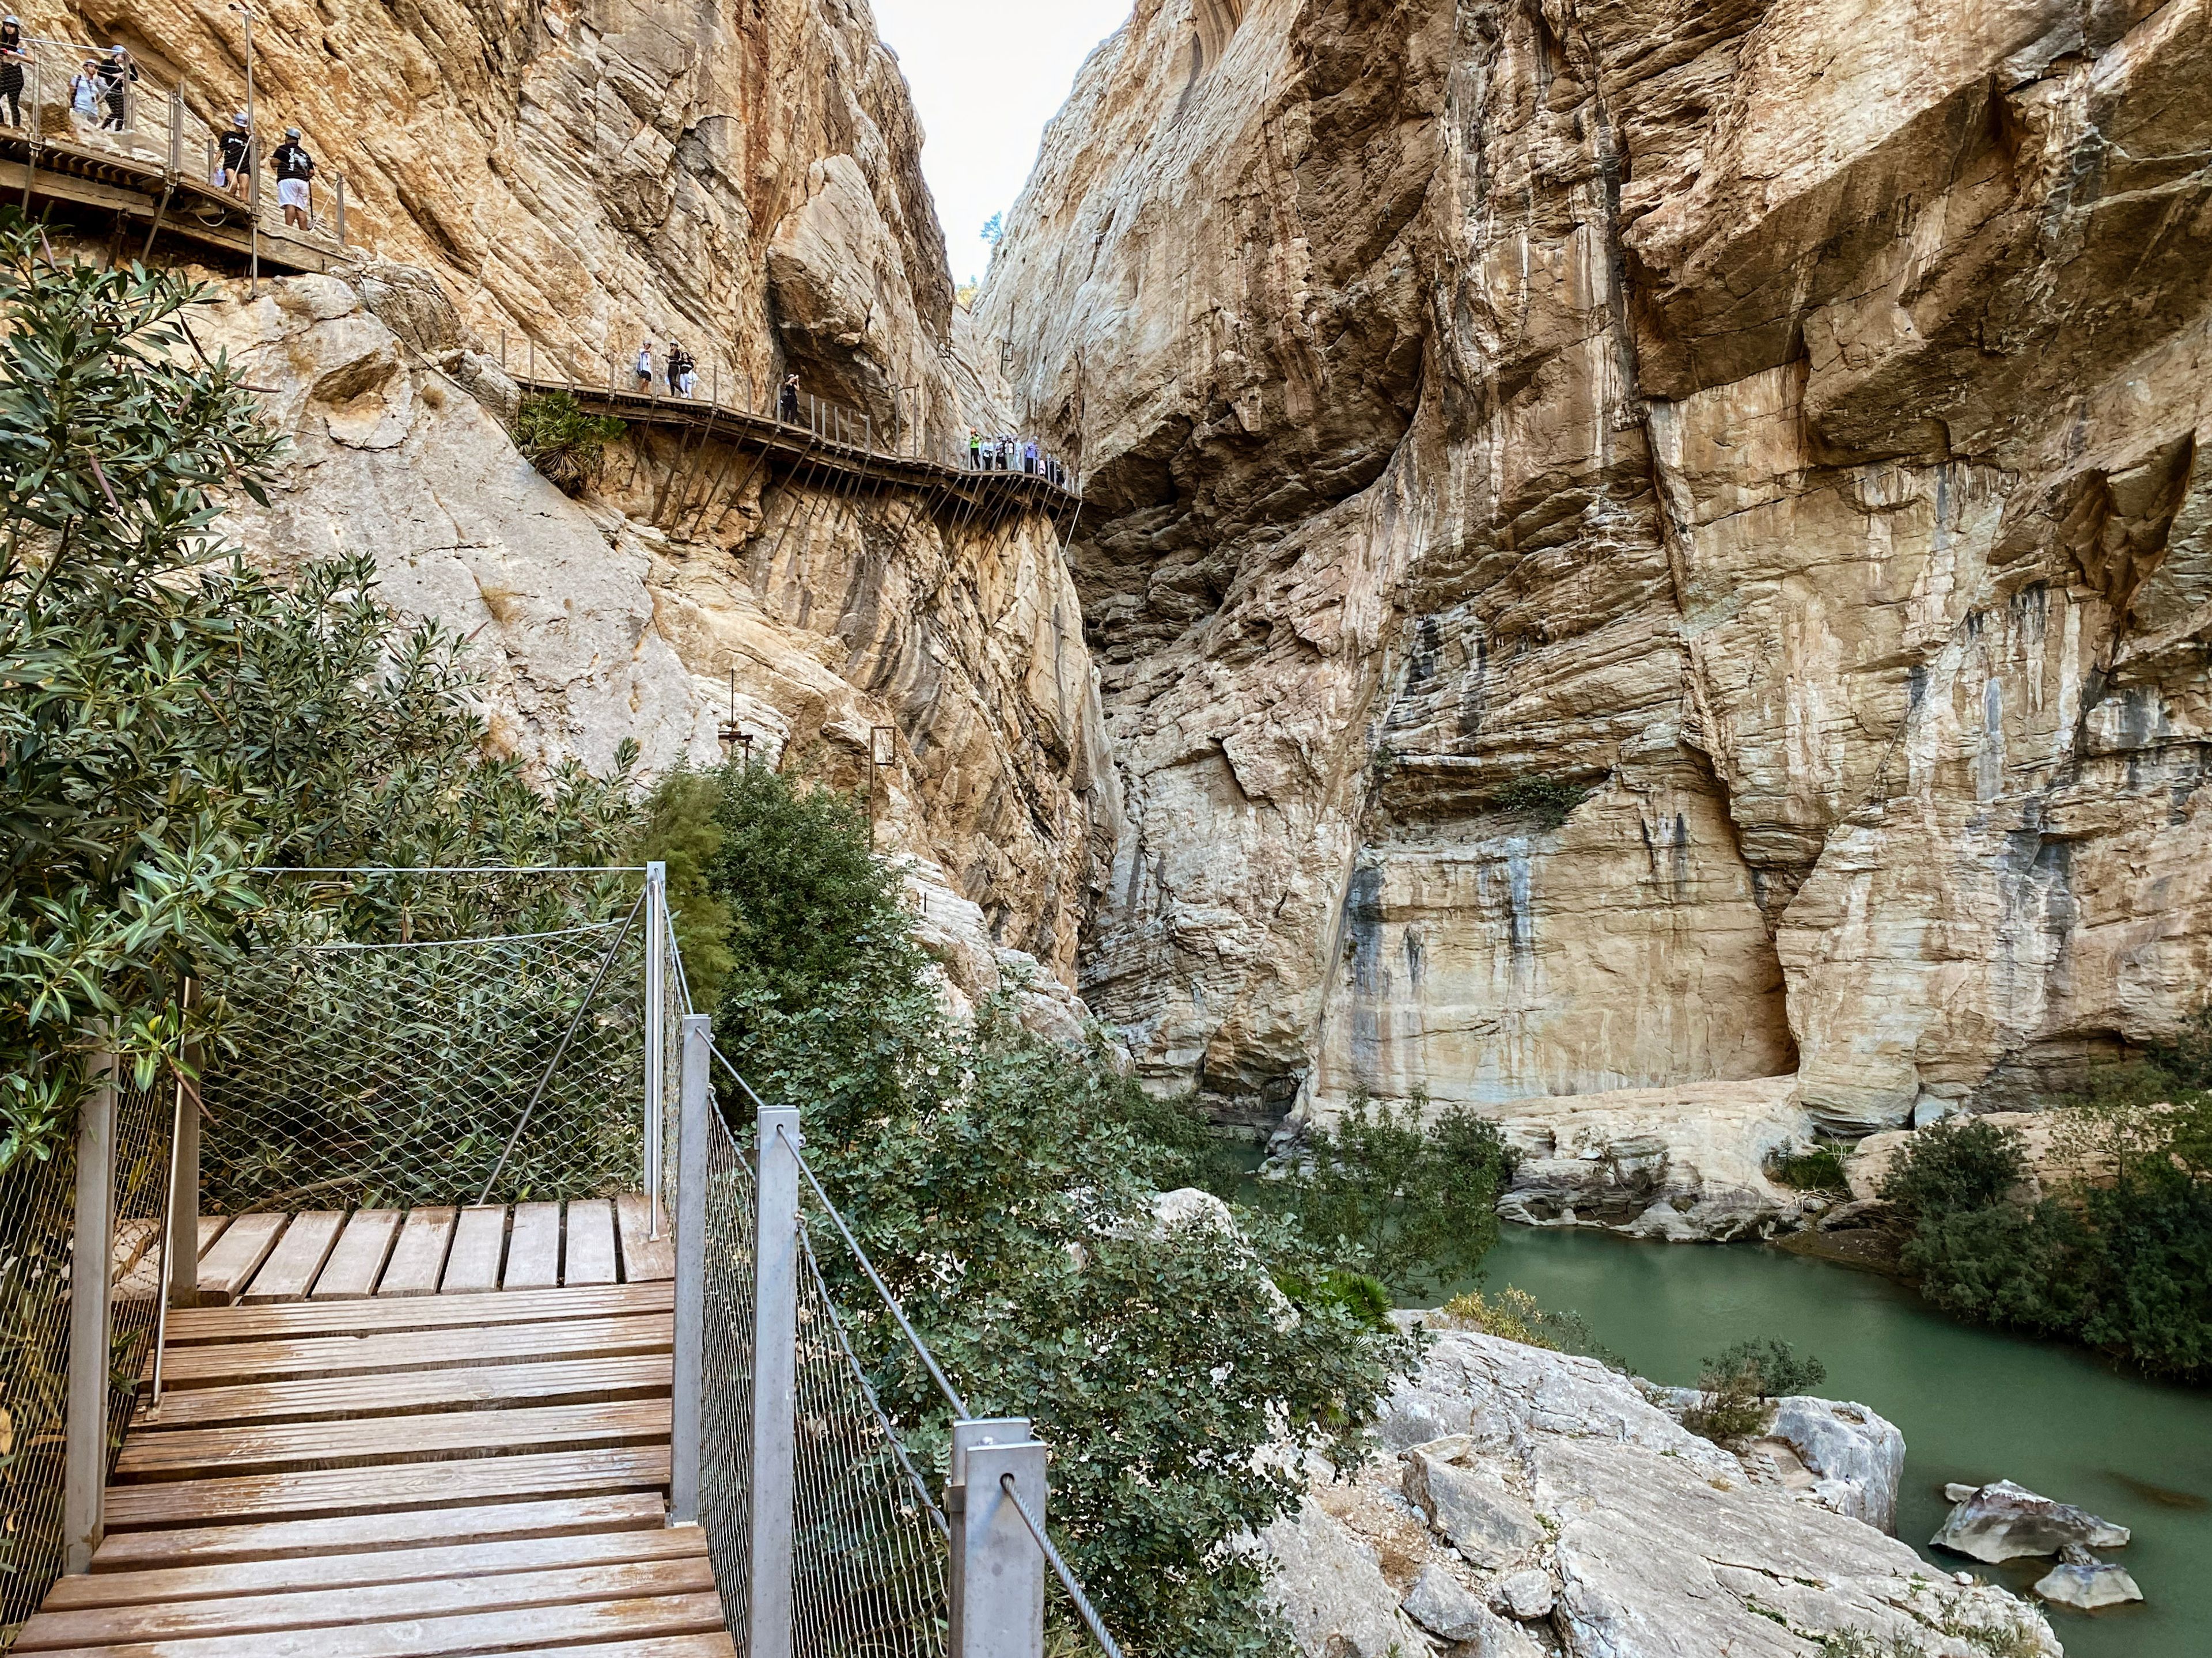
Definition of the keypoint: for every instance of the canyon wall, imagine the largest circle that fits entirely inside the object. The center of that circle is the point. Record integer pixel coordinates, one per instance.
(1638, 545)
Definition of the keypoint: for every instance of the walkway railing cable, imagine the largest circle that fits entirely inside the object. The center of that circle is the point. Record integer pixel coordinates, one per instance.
(1060, 1568)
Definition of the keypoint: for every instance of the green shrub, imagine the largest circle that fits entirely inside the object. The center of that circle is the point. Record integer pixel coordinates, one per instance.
(563, 441)
(1515, 1315)
(1552, 800)
(1821, 1170)
(1740, 1383)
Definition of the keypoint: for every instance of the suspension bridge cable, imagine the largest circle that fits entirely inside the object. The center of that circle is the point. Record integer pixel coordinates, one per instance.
(1060, 1566)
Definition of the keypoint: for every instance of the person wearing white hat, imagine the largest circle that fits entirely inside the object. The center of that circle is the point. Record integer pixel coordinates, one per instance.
(233, 161)
(14, 54)
(118, 74)
(296, 175)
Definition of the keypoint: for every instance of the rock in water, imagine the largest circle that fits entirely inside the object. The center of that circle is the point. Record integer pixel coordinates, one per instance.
(2005, 1521)
(2085, 1582)
(1856, 1457)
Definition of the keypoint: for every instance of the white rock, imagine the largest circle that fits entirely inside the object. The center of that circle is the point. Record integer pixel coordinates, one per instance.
(1330, 1587)
(1525, 1595)
(1470, 1502)
(1856, 1457)
(2005, 1521)
(2088, 1583)
(1439, 1603)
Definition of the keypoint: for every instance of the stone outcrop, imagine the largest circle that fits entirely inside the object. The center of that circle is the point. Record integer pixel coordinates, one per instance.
(1603, 1529)
(2003, 1522)
(1637, 547)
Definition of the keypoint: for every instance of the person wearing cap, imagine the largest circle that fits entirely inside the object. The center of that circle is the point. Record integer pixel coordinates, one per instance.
(14, 54)
(234, 163)
(296, 174)
(643, 366)
(84, 96)
(117, 75)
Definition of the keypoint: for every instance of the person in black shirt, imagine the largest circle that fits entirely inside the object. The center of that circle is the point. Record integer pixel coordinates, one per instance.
(790, 403)
(14, 54)
(234, 163)
(295, 172)
(117, 74)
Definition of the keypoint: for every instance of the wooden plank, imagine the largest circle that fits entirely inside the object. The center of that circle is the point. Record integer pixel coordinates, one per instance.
(407, 1350)
(357, 1262)
(591, 1253)
(206, 1546)
(330, 1571)
(575, 1380)
(211, 1229)
(479, 1247)
(189, 1326)
(437, 1638)
(268, 1448)
(232, 1616)
(533, 1247)
(239, 1253)
(644, 1259)
(298, 1257)
(404, 1485)
(418, 1260)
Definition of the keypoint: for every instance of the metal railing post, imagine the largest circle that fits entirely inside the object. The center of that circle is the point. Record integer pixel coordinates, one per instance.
(342, 233)
(776, 1381)
(183, 1265)
(91, 1289)
(692, 1128)
(656, 1037)
(998, 1570)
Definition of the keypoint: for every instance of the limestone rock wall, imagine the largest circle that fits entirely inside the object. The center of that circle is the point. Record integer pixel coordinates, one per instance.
(1632, 545)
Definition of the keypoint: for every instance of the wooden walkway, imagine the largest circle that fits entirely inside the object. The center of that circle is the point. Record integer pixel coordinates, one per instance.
(389, 1447)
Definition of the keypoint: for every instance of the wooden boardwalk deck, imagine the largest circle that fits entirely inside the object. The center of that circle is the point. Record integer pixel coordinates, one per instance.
(410, 1436)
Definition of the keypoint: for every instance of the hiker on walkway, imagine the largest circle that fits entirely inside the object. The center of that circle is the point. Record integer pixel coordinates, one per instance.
(1029, 457)
(84, 96)
(975, 450)
(680, 367)
(14, 54)
(788, 406)
(117, 77)
(643, 366)
(235, 159)
(295, 172)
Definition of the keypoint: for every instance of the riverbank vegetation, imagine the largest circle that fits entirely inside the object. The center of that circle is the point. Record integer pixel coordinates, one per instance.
(2119, 1255)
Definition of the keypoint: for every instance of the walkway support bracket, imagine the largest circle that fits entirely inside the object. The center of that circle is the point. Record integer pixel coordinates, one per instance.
(91, 1291)
(998, 1571)
(688, 1392)
(776, 1381)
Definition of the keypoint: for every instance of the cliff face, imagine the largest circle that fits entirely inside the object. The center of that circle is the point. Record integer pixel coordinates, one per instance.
(1639, 545)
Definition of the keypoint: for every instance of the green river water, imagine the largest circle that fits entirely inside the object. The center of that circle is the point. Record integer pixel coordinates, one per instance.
(1974, 1405)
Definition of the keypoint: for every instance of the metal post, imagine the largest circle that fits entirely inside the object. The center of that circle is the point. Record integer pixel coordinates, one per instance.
(776, 1381)
(91, 1290)
(252, 159)
(998, 1571)
(342, 233)
(183, 1265)
(656, 1036)
(691, 1130)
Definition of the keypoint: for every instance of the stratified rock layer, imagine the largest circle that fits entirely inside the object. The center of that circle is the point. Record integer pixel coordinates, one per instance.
(1642, 545)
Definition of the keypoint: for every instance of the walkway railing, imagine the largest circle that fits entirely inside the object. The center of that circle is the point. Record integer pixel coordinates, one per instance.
(503, 1015)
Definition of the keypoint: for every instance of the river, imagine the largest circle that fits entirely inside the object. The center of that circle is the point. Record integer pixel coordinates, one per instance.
(1974, 1405)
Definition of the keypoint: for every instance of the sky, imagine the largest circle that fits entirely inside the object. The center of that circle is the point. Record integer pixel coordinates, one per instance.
(987, 77)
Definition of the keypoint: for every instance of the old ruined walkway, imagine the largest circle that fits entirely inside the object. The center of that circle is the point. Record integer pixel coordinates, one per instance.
(439, 1433)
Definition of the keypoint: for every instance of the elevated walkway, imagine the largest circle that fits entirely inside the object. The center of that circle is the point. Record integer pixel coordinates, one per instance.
(805, 449)
(440, 1433)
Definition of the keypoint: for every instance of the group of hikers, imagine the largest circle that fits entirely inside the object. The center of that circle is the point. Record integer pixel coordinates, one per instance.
(679, 366)
(99, 100)
(1012, 454)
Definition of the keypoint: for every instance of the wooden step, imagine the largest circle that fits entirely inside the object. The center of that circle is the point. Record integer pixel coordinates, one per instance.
(357, 1263)
(402, 1485)
(237, 1253)
(190, 1325)
(589, 1254)
(718, 1645)
(533, 1247)
(418, 1259)
(366, 1604)
(478, 1252)
(401, 1565)
(203, 1545)
(644, 1258)
(409, 1352)
(575, 1381)
(449, 1435)
(297, 1260)
(520, 1629)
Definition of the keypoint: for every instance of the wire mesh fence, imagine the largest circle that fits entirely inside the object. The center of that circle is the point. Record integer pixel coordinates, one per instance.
(725, 1449)
(38, 1224)
(363, 1063)
(869, 1555)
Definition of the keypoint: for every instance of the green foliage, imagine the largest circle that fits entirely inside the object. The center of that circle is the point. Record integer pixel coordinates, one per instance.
(563, 441)
(1959, 1163)
(2187, 1061)
(1821, 1170)
(681, 830)
(1739, 1386)
(1413, 1205)
(1515, 1315)
(1007, 1190)
(1190, 1152)
(1552, 800)
(1366, 1299)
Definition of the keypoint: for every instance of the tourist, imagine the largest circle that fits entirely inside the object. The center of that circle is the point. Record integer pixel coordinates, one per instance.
(1029, 457)
(680, 370)
(14, 54)
(235, 157)
(975, 450)
(84, 97)
(295, 172)
(790, 402)
(117, 77)
(644, 364)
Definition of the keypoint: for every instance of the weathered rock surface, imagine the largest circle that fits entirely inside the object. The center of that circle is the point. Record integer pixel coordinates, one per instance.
(1635, 547)
(2086, 1583)
(1647, 1541)
(1852, 1457)
(2005, 1521)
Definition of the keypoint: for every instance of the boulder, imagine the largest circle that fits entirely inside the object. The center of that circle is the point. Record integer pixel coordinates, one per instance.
(1856, 1457)
(1525, 1595)
(1470, 1503)
(2083, 1581)
(2005, 1521)
(1329, 1586)
(1440, 1604)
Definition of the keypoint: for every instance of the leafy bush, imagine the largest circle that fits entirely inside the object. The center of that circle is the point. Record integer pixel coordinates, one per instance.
(1415, 1205)
(563, 441)
(1515, 1315)
(1821, 1170)
(1739, 1385)
(1007, 1190)
(1550, 799)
